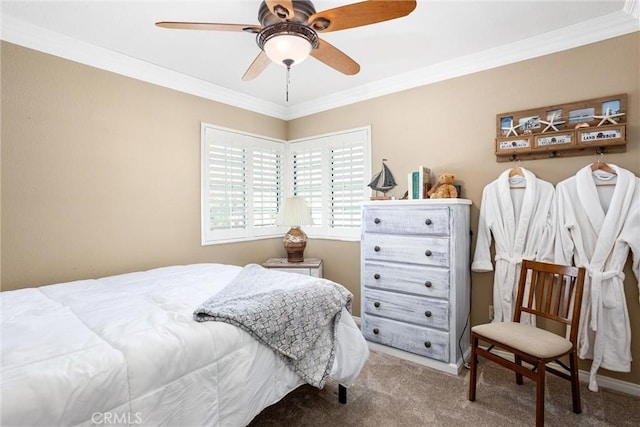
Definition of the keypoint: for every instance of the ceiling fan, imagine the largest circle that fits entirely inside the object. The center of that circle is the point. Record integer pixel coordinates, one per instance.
(289, 30)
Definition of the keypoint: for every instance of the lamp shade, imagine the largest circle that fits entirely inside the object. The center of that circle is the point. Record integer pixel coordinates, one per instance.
(282, 47)
(294, 211)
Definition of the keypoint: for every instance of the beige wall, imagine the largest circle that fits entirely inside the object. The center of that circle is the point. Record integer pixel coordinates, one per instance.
(450, 127)
(100, 173)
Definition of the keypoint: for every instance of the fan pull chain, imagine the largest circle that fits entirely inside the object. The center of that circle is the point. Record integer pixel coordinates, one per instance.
(288, 63)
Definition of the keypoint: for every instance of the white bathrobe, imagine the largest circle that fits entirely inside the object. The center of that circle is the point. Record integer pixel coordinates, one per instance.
(596, 228)
(522, 223)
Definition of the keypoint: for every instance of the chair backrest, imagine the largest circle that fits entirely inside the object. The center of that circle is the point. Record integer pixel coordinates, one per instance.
(554, 292)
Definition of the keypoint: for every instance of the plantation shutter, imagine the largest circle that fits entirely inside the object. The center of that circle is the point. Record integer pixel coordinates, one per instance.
(331, 172)
(347, 182)
(244, 177)
(307, 179)
(241, 185)
(227, 187)
(267, 185)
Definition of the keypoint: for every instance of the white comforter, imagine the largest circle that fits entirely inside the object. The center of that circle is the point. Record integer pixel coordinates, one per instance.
(125, 350)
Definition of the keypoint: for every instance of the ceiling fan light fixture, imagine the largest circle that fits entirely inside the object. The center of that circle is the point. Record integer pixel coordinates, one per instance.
(284, 47)
(287, 42)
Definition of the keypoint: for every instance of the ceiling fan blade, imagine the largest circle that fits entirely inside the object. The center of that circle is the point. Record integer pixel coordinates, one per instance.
(359, 14)
(257, 66)
(209, 26)
(335, 58)
(283, 9)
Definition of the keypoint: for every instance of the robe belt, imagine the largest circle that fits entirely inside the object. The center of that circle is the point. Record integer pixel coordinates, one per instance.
(509, 259)
(607, 299)
(511, 273)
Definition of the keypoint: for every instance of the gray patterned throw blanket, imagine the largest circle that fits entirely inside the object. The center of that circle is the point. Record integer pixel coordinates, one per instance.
(294, 315)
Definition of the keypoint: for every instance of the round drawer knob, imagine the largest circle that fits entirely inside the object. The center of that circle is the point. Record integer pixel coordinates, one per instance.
(376, 304)
(376, 248)
(427, 313)
(376, 331)
(427, 284)
(428, 221)
(427, 344)
(428, 252)
(376, 276)
(377, 220)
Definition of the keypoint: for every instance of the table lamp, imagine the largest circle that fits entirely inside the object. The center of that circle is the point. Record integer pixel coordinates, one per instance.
(294, 213)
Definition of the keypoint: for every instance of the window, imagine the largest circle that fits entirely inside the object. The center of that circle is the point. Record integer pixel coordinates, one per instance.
(241, 185)
(245, 177)
(330, 172)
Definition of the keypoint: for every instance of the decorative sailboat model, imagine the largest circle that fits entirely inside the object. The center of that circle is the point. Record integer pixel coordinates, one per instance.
(382, 182)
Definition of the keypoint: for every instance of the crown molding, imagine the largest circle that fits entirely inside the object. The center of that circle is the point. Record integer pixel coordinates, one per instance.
(27, 35)
(613, 25)
(595, 30)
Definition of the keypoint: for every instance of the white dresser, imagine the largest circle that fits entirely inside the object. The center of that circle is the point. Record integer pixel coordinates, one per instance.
(415, 282)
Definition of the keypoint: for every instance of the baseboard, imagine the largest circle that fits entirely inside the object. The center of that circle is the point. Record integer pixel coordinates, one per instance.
(603, 381)
(625, 387)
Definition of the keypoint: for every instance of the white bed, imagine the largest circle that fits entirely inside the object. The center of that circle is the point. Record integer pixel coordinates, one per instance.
(125, 350)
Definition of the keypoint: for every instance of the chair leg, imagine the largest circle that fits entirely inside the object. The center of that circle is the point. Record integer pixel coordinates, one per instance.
(473, 368)
(518, 361)
(541, 372)
(575, 381)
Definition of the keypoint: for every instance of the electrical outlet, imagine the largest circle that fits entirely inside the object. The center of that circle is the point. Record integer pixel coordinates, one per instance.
(491, 313)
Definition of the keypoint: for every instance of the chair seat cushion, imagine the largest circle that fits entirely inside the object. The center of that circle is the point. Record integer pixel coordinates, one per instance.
(528, 339)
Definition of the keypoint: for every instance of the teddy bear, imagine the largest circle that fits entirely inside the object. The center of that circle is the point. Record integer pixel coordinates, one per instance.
(444, 187)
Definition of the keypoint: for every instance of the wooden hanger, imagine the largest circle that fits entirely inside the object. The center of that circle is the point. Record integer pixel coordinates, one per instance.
(515, 171)
(602, 166)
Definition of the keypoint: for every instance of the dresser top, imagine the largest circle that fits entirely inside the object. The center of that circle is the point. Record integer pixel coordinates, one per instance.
(425, 202)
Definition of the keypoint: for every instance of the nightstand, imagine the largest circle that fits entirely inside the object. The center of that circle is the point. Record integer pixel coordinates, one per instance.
(308, 267)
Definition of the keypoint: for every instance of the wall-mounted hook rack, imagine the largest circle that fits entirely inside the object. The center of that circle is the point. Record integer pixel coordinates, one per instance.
(572, 129)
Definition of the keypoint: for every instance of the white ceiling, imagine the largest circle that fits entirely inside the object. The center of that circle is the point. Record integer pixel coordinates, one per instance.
(438, 40)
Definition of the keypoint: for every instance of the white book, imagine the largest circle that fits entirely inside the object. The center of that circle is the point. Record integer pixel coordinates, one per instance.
(410, 185)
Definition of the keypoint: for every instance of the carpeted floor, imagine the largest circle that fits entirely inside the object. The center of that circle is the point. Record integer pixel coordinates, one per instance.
(395, 392)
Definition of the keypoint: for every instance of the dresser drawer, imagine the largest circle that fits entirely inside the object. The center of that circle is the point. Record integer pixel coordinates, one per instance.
(406, 249)
(408, 308)
(407, 221)
(413, 279)
(415, 339)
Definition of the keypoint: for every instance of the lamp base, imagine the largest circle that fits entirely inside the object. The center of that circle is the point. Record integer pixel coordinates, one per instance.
(295, 241)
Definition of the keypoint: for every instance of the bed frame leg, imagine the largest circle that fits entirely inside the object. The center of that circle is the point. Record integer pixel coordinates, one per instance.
(342, 394)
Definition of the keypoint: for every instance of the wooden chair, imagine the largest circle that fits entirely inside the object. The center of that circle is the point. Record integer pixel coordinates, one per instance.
(555, 294)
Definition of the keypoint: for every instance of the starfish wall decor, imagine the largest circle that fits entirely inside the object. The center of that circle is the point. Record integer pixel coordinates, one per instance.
(552, 123)
(512, 128)
(608, 117)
